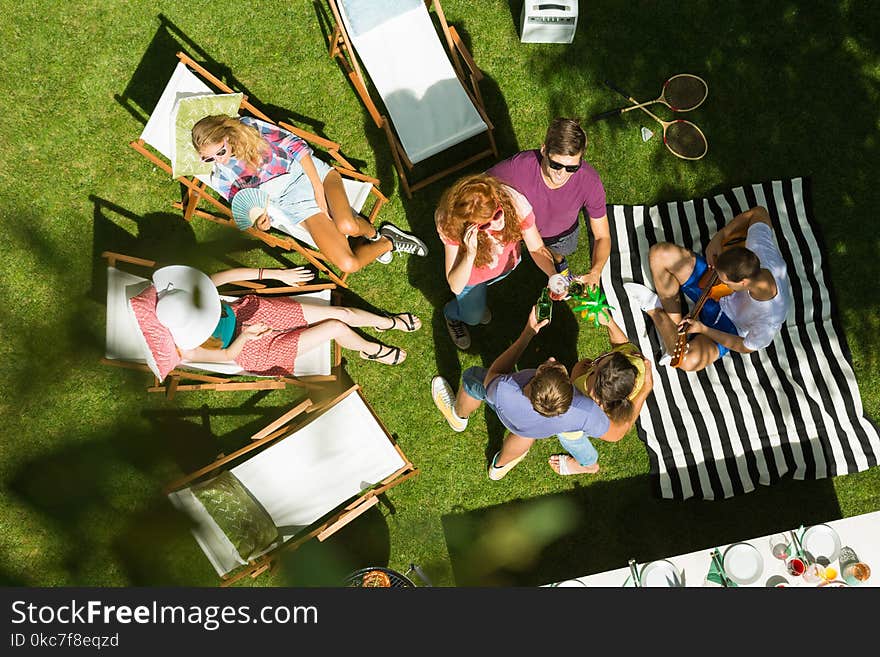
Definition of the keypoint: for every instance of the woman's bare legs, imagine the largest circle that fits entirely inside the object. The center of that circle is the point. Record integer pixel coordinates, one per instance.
(331, 235)
(333, 329)
(314, 313)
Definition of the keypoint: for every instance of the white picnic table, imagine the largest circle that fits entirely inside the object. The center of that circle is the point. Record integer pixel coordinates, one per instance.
(861, 533)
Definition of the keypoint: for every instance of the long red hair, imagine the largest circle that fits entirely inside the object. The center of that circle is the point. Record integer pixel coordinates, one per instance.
(474, 200)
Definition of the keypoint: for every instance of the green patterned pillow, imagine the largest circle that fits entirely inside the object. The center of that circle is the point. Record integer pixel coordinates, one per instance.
(239, 515)
(188, 111)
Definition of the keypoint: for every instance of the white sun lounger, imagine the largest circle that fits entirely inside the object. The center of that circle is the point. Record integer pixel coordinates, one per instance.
(311, 479)
(421, 85)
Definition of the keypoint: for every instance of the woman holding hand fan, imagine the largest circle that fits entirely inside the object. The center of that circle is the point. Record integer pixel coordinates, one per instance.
(248, 153)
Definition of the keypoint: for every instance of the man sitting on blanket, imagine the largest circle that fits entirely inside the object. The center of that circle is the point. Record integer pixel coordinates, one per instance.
(746, 320)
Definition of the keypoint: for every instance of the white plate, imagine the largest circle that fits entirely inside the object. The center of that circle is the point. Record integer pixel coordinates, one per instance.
(660, 573)
(743, 563)
(822, 542)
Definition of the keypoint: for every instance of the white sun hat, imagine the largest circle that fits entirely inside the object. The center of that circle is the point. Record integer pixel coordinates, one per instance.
(188, 305)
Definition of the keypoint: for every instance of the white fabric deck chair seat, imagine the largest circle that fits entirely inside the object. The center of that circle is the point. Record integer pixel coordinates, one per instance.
(302, 477)
(429, 107)
(158, 133)
(125, 341)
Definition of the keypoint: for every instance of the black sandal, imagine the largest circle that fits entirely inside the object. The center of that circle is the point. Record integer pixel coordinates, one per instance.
(408, 319)
(384, 352)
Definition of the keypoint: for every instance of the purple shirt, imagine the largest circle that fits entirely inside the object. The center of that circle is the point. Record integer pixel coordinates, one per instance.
(515, 410)
(556, 210)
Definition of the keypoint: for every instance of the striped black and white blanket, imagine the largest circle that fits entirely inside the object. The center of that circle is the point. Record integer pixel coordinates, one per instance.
(791, 409)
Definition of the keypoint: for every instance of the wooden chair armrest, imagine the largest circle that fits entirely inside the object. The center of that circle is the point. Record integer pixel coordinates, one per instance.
(348, 516)
(310, 137)
(113, 258)
(465, 54)
(356, 175)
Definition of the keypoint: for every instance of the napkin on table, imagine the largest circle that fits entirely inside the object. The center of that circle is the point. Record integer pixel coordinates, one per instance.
(716, 575)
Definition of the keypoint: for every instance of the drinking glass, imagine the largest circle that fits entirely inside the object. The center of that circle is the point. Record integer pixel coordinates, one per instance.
(558, 286)
(814, 574)
(780, 546)
(795, 566)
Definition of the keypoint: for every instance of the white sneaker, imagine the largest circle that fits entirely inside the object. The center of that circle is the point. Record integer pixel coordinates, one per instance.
(444, 399)
(645, 297)
(386, 257)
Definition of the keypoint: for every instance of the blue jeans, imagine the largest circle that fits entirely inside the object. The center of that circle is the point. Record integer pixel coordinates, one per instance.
(711, 315)
(576, 443)
(469, 305)
(579, 445)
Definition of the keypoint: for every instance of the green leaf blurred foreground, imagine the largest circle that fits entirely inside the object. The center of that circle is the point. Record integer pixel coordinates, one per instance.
(793, 90)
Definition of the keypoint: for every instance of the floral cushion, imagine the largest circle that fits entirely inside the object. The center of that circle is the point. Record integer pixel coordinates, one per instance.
(244, 521)
(161, 352)
(187, 112)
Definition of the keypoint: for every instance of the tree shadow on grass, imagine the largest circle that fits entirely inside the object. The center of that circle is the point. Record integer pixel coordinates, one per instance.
(601, 526)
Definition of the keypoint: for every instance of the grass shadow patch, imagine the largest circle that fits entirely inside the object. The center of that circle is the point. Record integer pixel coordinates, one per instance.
(599, 527)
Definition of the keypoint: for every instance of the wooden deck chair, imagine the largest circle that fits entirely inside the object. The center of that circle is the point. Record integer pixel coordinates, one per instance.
(190, 78)
(126, 347)
(305, 475)
(433, 98)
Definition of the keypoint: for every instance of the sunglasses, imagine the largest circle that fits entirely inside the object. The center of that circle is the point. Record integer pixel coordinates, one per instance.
(495, 216)
(556, 166)
(219, 153)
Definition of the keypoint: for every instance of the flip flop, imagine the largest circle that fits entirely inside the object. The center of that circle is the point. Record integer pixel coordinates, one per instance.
(496, 473)
(563, 466)
(409, 323)
(384, 353)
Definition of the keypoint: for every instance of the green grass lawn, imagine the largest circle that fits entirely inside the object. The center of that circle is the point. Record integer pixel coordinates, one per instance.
(85, 451)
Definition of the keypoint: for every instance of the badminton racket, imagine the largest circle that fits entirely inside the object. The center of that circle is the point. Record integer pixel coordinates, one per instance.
(681, 93)
(682, 138)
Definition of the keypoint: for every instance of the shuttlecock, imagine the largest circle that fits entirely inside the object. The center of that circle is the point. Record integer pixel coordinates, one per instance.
(646, 134)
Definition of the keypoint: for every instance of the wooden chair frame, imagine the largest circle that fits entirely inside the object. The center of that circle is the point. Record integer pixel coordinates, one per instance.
(182, 379)
(332, 522)
(221, 213)
(465, 68)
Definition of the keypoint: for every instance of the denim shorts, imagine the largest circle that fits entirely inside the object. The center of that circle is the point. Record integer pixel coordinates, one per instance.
(711, 315)
(564, 245)
(576, 443)
(472, 382)
(293, 195)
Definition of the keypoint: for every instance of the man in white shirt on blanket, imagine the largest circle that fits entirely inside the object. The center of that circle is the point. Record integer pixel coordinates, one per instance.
(745, 320)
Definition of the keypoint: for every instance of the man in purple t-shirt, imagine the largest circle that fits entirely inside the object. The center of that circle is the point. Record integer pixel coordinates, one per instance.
(559, 184)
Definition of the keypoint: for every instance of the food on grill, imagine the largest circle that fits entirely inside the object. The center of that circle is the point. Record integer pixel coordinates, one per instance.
(375, 578)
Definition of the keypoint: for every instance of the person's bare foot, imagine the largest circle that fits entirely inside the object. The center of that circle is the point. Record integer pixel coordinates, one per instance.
(564, 464)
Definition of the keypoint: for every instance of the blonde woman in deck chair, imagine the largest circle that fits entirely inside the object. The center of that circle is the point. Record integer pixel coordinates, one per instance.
(247, 152)
(262, 334)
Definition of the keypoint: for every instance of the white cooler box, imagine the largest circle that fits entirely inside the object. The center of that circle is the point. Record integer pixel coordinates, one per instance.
(548, 22)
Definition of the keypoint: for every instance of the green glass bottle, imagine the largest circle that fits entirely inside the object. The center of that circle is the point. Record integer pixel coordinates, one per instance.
(544, 306)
